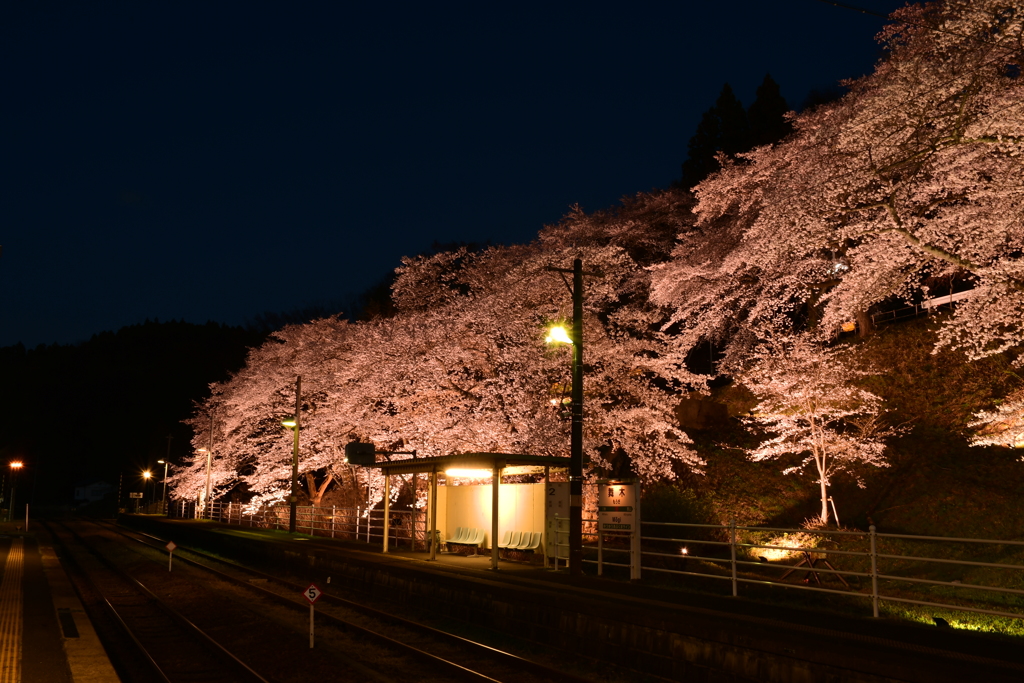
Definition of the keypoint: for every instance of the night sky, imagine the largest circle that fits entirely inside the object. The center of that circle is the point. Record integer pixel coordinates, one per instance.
(216, 160)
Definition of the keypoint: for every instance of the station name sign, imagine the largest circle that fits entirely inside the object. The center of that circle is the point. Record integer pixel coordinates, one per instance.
(616, 505)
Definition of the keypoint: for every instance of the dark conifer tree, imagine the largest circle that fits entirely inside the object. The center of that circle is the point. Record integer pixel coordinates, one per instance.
(767, 115)
(724, 128)
(734, 126)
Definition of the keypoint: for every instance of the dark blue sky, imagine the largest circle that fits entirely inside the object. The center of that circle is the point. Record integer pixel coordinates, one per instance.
(216, 160)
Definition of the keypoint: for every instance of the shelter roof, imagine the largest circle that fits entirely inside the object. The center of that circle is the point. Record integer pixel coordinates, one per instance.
(467, 460)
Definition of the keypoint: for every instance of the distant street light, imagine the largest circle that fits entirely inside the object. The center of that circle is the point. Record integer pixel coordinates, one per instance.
(16, 466)
(163, 498)
(146, 476)
(294, 424)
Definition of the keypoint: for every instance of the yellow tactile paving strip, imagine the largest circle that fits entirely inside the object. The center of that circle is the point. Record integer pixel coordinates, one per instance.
(10, 614)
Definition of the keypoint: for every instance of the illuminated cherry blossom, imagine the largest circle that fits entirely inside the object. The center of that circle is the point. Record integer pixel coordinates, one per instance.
(810, 404)
(1002, 426)
(463, 367)
(918, 171)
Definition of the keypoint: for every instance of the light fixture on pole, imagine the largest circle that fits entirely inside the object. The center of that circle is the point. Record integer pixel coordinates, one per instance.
(295, 425)
(163, 497)
(559, 334)
(16, 466)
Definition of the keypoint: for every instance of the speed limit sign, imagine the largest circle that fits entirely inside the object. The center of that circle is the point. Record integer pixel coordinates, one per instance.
(312, 593)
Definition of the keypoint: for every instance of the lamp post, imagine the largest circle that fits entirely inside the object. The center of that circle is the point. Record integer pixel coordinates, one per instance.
(209, 458)
(146, 476)
(163, 498)
(295, 425)
(15, 468)
(576, 433)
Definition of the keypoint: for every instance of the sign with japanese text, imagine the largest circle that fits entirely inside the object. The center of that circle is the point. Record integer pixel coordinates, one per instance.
(556, 532)
(616, 506)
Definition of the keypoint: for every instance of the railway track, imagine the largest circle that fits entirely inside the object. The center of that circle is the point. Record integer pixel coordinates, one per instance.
(153, 635)
(411, 650)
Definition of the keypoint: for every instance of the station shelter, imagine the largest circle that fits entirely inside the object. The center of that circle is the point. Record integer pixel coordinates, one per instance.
(495, 508)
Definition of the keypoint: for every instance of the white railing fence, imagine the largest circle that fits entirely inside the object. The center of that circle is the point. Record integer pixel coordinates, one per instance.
(939, 572)
(408, 528)
(926, 571)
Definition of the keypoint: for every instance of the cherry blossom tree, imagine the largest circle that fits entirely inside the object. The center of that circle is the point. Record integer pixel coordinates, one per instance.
(480, 320)
(463, 366)
(810, 404)
(916, 172)
(250, 445)
(1001, 426)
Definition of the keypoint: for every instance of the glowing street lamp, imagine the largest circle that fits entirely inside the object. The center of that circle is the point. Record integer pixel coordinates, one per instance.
(15, 466)
(558, 335)
(146, 476)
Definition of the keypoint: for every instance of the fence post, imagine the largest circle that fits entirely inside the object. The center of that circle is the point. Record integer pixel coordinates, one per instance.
(874, 572)
(334, 513)
(732, 552)
(635, 554)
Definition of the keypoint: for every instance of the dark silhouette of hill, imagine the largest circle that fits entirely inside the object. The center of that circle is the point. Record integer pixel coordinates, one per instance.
(107, 406)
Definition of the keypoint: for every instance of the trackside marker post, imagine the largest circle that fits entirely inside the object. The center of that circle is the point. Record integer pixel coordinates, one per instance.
(312, 594)
(170, 553)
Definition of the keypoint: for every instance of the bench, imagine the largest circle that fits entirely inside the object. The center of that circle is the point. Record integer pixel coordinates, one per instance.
(517, 543)
(466, 539)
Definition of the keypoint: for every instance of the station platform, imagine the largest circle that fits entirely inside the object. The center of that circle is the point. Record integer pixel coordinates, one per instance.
(45, 635)
(688, 635)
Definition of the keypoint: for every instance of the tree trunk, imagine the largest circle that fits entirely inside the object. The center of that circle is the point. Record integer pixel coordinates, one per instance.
(864, 326)
(316, 493)
(824, 501)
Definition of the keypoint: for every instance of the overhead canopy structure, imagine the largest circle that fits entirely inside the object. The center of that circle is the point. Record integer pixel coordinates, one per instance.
(494, 462)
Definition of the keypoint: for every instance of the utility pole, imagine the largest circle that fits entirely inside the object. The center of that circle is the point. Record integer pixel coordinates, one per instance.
(294, 498)
(576, 433)
(576, 436)
(209, 463)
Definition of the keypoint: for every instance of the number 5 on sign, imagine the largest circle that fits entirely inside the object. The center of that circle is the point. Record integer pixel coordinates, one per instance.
(312, 594)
